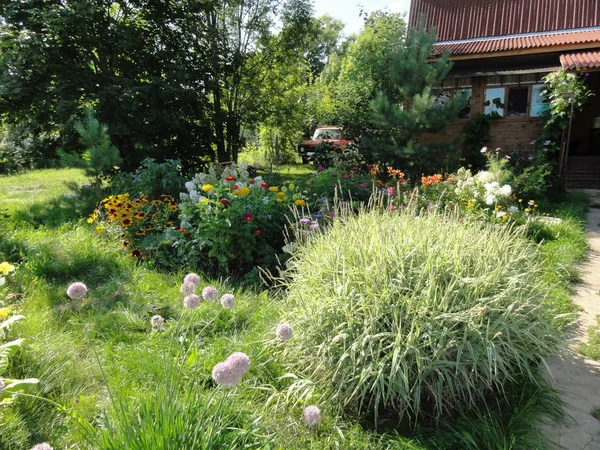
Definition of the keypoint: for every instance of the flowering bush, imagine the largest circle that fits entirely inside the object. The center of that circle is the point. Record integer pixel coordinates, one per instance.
(136, 222)
(231, 222)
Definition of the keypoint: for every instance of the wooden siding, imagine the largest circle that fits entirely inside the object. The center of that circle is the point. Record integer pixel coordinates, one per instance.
(467, 19)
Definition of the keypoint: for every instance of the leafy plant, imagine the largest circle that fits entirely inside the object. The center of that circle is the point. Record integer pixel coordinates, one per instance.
(151, 179)
(425, 317)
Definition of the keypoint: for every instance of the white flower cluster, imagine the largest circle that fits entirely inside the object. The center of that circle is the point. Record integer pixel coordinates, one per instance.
(481, 186)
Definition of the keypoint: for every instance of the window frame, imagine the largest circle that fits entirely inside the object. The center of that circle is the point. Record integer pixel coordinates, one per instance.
(500, 81)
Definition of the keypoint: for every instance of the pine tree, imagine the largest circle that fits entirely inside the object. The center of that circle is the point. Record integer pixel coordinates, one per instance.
(411, 105)
(100, 156)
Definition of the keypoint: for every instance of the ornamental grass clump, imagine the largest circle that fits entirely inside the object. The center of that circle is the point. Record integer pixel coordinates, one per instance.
(416, 316)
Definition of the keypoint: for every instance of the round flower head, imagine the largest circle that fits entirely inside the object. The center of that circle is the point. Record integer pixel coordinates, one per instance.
(239, 362)
(312, 416)
(42, 446)
(210, 293)
(224, 374)
(76, 291)
(187, 288)
(191, 301)
(157, 322)
(228, 300)
(192, 278)
(284, 331)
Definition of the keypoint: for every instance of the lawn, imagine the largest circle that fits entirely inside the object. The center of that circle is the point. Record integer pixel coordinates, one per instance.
(100, 362)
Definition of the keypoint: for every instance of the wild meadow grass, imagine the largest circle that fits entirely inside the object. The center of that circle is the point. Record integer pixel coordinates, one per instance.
(136, 388)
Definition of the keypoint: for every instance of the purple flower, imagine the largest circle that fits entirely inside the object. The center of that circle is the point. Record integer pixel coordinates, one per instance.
(224, 374)
(76, 290)
(312, 416)
(284, 331)
(346, 176)
(586, 74)
(334, 174)
(547, 143)
(187, 288)
(42, 446)
(530, 158)
(304, 220)
(318, 216)
(362, 185)
(210, 293)
(332, 213)
(157, 322)
(192, 278)
(239, 362)
(228, 301)
(191, 301)
(314, 225)
(320, 169)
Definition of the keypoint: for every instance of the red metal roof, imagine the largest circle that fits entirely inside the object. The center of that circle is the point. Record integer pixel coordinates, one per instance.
(466, 19)
(581, 61)
(547, 40)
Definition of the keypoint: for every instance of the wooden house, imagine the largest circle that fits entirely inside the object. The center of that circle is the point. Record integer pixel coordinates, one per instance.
(501, 50)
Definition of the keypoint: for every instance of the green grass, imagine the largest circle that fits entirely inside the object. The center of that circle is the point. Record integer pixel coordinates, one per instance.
(288, 172)
(87, 353)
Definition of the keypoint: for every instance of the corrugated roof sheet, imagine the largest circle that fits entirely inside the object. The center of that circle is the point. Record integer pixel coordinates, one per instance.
(466, 19)
(496, 44)
(581, 61)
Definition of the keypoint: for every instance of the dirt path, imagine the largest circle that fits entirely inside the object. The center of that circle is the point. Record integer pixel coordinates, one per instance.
(578, 378)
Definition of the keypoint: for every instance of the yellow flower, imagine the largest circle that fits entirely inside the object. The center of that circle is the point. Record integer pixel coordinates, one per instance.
(207, 187)
(527, 210)
(281, 197)
(204, 200)
(4, 313)
(300, 202)
(99, 229)
(92, 217)
(243, 191)
(6, 267)
(273, 188)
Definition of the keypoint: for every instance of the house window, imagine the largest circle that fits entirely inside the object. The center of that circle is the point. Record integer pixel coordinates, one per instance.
(539, 102)
(494, 101)
(517, 101)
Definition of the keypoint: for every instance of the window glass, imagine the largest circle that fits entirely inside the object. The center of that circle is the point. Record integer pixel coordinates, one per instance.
(539, 102)
(494, 101)
(517, 101)
(465, 113)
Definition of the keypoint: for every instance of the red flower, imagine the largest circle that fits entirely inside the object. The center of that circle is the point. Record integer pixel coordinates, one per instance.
(224, 202)
(257, 232)
(247, 217)
(235, 187)
(264, 185)
(181, 230)
(230, 178)
(251, 181)
(346, 176)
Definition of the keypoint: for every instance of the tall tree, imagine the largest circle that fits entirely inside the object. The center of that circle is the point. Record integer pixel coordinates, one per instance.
(141, 63)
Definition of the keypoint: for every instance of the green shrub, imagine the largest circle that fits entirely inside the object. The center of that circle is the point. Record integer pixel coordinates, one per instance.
(417, 316)
(151, 179)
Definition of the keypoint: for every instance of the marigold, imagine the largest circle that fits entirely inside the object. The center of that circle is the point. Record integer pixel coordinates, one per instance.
(300, 202)
(207, 187)
(274, 188)
(242, 192)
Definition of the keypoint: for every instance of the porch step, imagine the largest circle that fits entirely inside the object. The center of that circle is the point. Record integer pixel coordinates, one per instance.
(583, 172)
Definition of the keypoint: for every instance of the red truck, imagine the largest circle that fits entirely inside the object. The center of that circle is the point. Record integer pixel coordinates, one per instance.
(324, 133)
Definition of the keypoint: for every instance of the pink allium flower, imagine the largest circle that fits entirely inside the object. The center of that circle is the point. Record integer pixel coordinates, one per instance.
(76, 291)
(210, 293)
(157, 322)
(192, 278)
(284, 331)
(312, 416)
(228, 301)
(42, 446)
(224, 374)
(362, 185)
(191, 301)
(239, 362)
(320, 169)
(187, 288)
(346, 176)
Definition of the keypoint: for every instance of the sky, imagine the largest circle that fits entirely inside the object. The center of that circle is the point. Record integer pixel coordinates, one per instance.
(348, 10)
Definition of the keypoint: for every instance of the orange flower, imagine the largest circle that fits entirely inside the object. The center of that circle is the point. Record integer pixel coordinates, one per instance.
(126, 221)
(432, 179)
